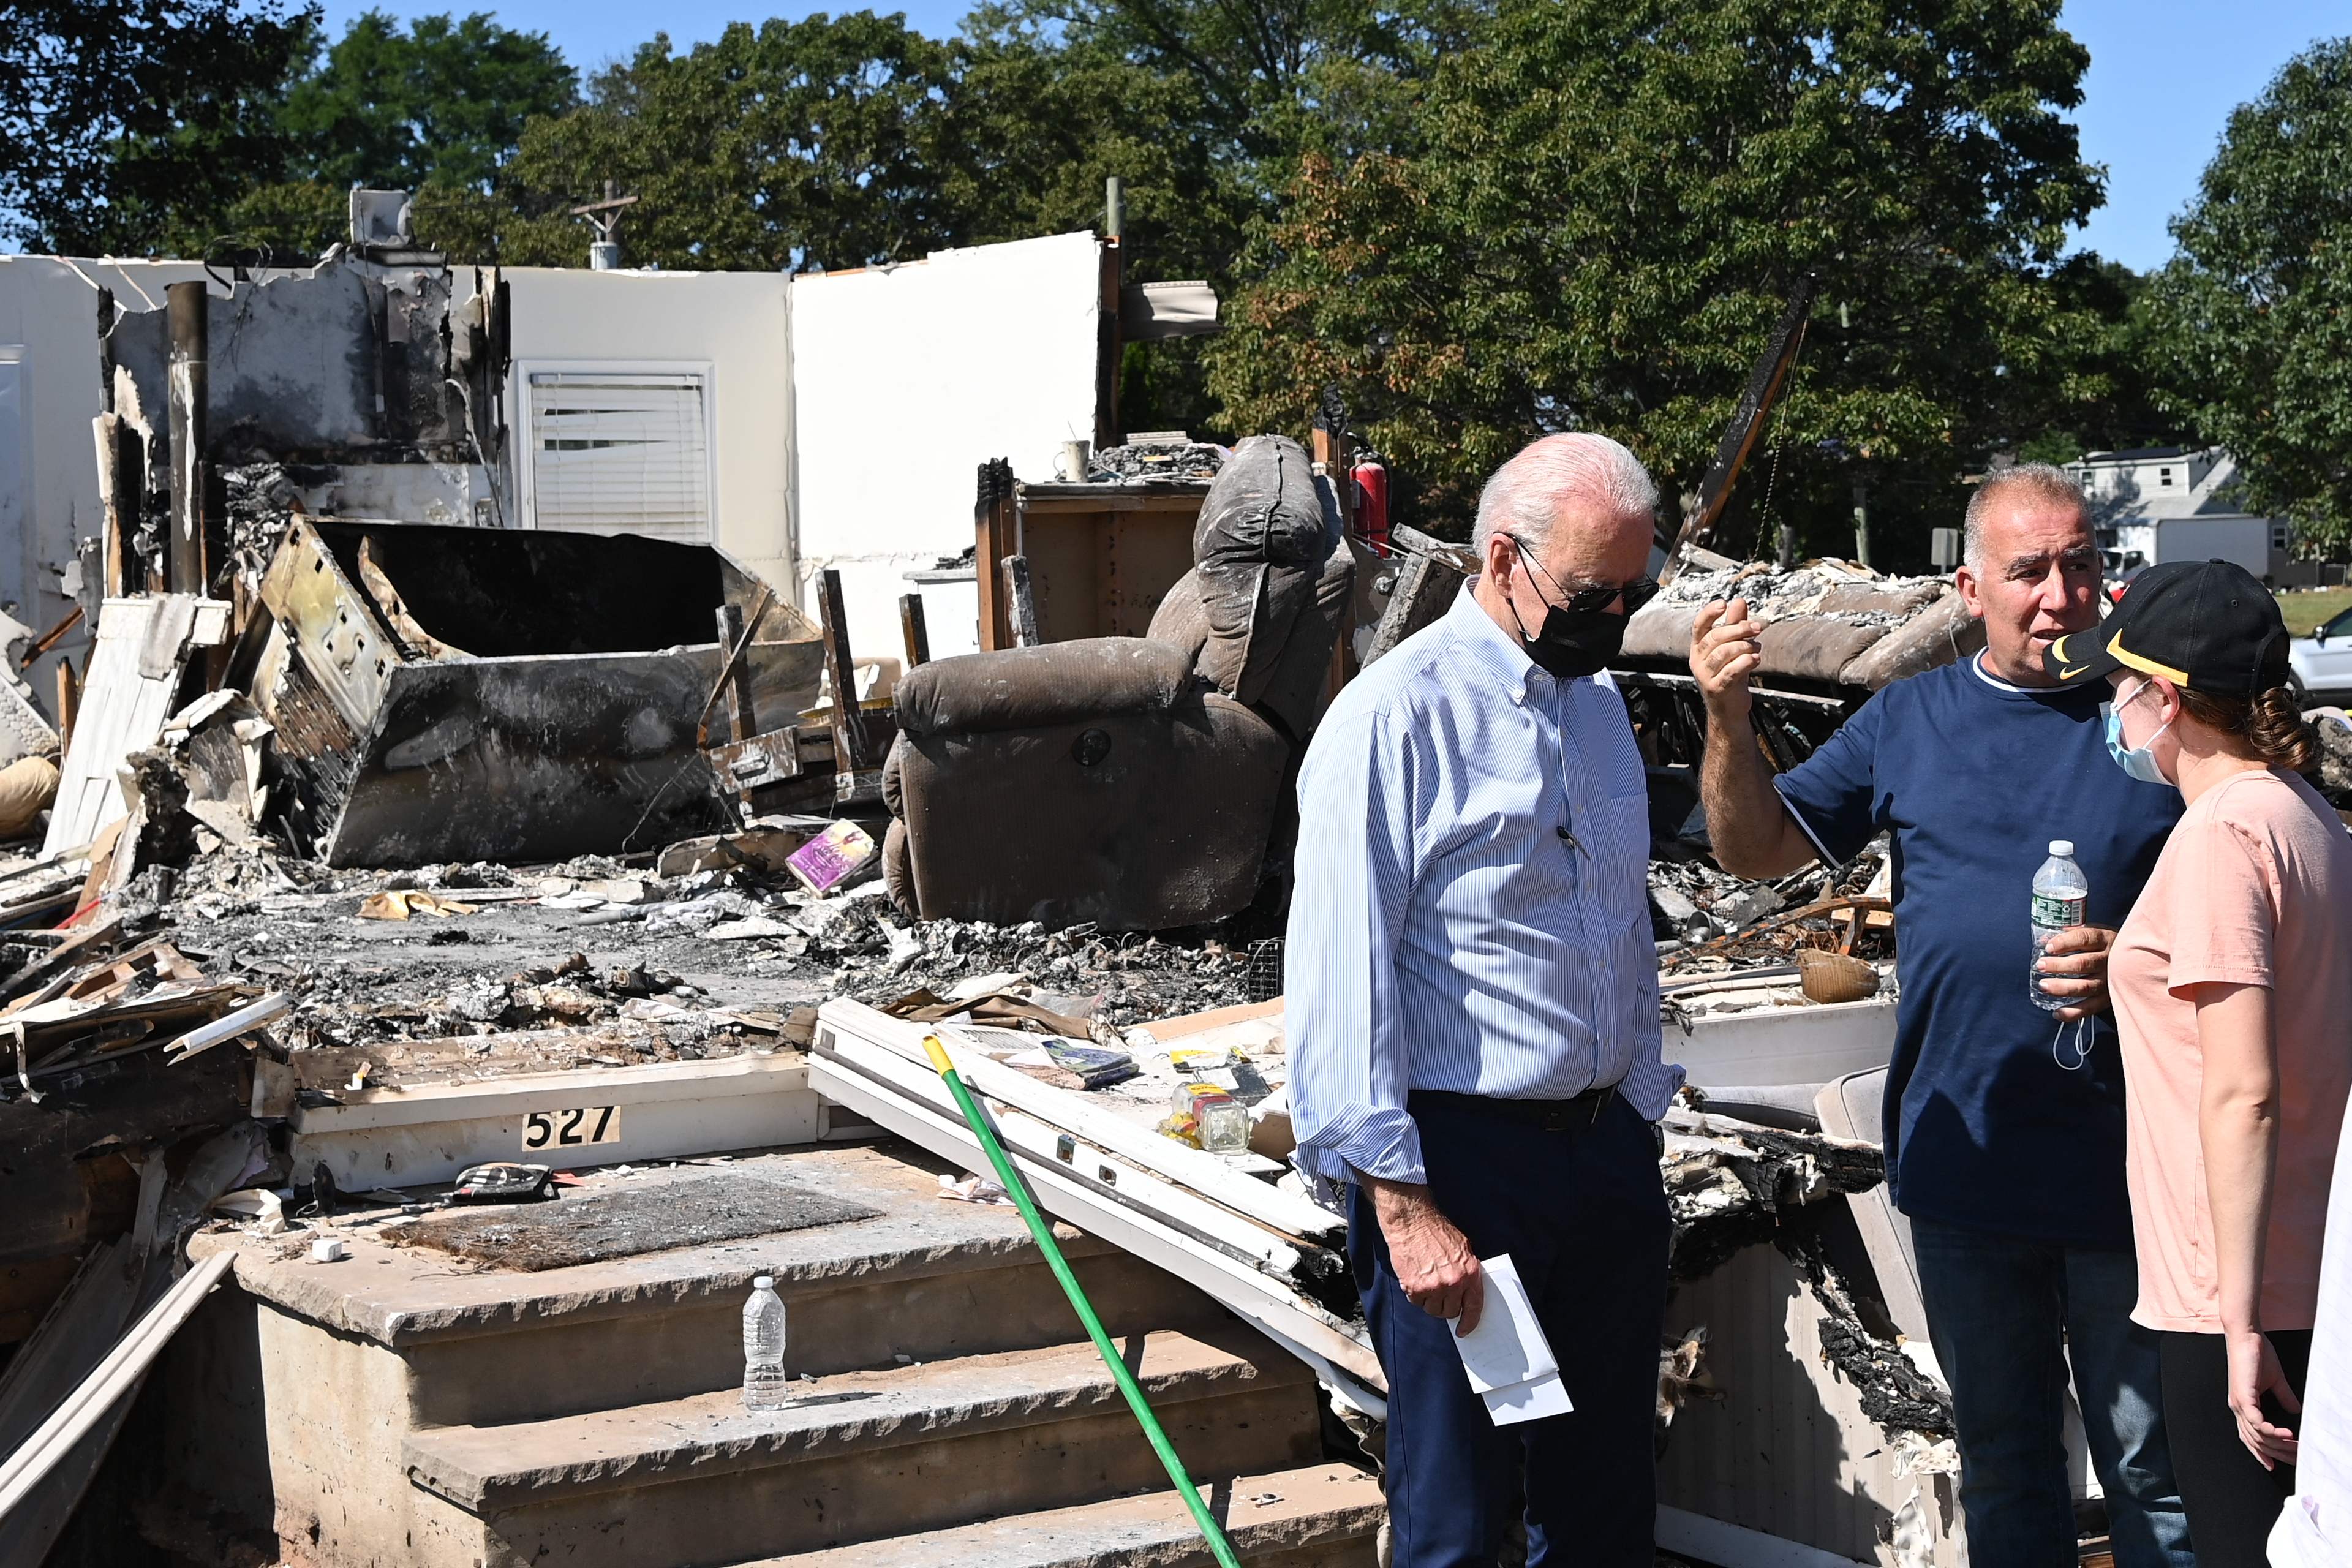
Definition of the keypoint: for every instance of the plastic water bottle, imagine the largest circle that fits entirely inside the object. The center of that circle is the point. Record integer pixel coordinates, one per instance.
(764, 1347)
(2060, 893)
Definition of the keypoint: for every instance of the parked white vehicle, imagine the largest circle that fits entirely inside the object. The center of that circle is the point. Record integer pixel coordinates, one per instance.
(2322, 662)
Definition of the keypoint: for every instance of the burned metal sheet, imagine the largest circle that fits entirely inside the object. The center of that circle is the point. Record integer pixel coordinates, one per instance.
(568, 727)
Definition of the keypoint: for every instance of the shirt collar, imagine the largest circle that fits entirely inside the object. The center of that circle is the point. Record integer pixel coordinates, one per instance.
(1495, 648)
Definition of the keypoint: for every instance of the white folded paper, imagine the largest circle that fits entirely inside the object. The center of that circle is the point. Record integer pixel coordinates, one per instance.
(1509, 1362)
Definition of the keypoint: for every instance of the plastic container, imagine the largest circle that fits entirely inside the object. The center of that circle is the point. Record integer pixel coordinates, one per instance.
(764, 1347)
(2060, 893)
(1208, 1118)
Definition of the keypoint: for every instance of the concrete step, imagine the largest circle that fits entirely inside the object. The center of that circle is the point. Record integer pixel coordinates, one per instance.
(1323, 1516)
(857, 1456)
(927, 1279)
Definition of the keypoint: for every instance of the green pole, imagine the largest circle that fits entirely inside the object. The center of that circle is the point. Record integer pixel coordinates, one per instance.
(1043, 1233)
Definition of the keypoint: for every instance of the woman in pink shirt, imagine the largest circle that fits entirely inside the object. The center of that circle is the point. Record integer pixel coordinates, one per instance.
(2233, 988)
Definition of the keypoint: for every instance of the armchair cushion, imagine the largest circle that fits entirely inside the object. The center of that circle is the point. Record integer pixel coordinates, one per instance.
(1030, 688)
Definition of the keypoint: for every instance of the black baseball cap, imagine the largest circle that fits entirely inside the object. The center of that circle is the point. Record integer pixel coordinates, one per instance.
(2209, 625)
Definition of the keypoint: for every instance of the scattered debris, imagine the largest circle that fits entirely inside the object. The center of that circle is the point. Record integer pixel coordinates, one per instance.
(1168, 455)
(684, 1211)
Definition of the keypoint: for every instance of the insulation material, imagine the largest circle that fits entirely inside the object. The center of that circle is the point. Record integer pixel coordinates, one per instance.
(905, 379)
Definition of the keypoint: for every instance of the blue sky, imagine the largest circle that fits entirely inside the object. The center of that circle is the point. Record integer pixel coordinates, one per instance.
(2164, 76)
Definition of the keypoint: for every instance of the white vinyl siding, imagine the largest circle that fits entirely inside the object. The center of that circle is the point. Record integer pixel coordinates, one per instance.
(620, 452)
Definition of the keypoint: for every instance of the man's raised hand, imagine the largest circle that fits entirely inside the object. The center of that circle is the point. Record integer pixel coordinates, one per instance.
(1724, 653)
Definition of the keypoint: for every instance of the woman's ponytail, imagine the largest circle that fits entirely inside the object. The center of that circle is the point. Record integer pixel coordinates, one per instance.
(2276, 727)
(2272, 725)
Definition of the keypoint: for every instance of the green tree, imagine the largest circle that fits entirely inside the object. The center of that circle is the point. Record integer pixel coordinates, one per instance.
(2107, 400)
(2252, 320)
(121, 117)
(443, 102)
(437, 109)
(1610, 203)
(810, 144)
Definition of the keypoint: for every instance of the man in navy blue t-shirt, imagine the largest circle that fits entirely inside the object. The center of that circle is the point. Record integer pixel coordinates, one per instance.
(2004, 1123)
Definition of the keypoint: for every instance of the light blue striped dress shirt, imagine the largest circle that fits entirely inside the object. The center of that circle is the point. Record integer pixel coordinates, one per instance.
(1443, 933)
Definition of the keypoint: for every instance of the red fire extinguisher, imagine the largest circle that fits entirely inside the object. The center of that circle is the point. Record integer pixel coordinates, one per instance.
(1373, 502)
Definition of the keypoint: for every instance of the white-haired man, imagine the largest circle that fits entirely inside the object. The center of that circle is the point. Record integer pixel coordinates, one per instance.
(2004, 1125)
(1474, 1016)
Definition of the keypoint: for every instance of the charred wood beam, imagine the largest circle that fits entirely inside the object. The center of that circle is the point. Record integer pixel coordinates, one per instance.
(1020, 602)
(1765, 383)
(915, 631)
(187, 308)
(993, 526)
(850, 752)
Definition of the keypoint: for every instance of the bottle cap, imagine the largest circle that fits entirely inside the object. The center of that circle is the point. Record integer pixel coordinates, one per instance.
(2065, 846)
(764, 1283)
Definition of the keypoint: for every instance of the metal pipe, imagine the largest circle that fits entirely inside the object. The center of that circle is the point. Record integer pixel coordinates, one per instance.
(187, 308)
(1114, 206)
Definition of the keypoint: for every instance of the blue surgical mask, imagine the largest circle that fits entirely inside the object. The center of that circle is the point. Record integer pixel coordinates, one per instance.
(2139, 762)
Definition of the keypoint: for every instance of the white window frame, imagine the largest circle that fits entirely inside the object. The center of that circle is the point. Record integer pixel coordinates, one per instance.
(527, 438)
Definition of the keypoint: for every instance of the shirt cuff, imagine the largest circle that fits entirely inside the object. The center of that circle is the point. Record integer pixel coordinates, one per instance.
(1367, 1140)
(1649, 1087)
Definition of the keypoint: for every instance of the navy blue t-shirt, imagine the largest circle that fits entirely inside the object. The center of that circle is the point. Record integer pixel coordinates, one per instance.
(1975, 777)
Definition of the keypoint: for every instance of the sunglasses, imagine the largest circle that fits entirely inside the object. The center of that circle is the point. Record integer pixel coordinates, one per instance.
(1588, 601)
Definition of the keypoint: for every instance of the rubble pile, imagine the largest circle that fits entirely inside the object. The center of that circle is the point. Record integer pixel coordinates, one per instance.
(2336, 762)
(626, 963)
(1816, 590)
(1138, 460)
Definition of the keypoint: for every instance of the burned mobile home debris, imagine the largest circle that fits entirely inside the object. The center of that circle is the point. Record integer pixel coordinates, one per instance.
(516, 827)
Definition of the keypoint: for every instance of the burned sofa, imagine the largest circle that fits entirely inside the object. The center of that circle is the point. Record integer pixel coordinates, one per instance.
(442, 694)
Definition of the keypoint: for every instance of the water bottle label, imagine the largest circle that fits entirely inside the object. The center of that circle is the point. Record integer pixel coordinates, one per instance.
(2055, 912)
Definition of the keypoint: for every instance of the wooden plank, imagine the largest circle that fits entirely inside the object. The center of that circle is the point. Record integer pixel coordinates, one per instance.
(1065, 577)
(849, 749)
(1166, 1029)
(915, 630)
(1020, 604)
(113, 1382)
(1143, 555)
(1202, 1173)
(993, 525)
(69, 703)
(1746, 424)
(1184, 504)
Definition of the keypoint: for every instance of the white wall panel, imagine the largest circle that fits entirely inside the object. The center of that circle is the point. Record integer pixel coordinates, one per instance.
(903, 382)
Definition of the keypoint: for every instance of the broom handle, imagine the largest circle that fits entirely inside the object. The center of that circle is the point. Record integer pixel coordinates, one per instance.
(1043, 1233)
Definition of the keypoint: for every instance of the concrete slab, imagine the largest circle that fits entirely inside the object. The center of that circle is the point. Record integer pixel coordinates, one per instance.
(927, 1279)
(490, 1469)
(402, 1297)
(1324, 1515)
(868, 1455)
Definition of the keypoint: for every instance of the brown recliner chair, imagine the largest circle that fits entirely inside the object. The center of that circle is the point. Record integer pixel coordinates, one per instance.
(1134, 782)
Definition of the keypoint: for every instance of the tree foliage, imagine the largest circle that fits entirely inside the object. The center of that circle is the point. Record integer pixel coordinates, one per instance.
(2251, 322)
(1614, 198)
(442, 102)
(119, 118)
(437, 108)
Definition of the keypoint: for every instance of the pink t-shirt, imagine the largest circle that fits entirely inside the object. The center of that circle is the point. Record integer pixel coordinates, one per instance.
(2255, 887)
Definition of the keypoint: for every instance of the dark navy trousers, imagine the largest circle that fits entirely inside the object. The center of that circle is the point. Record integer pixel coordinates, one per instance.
(1583, 1214)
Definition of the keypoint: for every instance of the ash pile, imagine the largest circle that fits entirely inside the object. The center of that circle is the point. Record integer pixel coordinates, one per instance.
(1167, 455)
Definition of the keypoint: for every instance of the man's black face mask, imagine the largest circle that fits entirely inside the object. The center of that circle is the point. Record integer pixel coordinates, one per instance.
(1574, 642)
